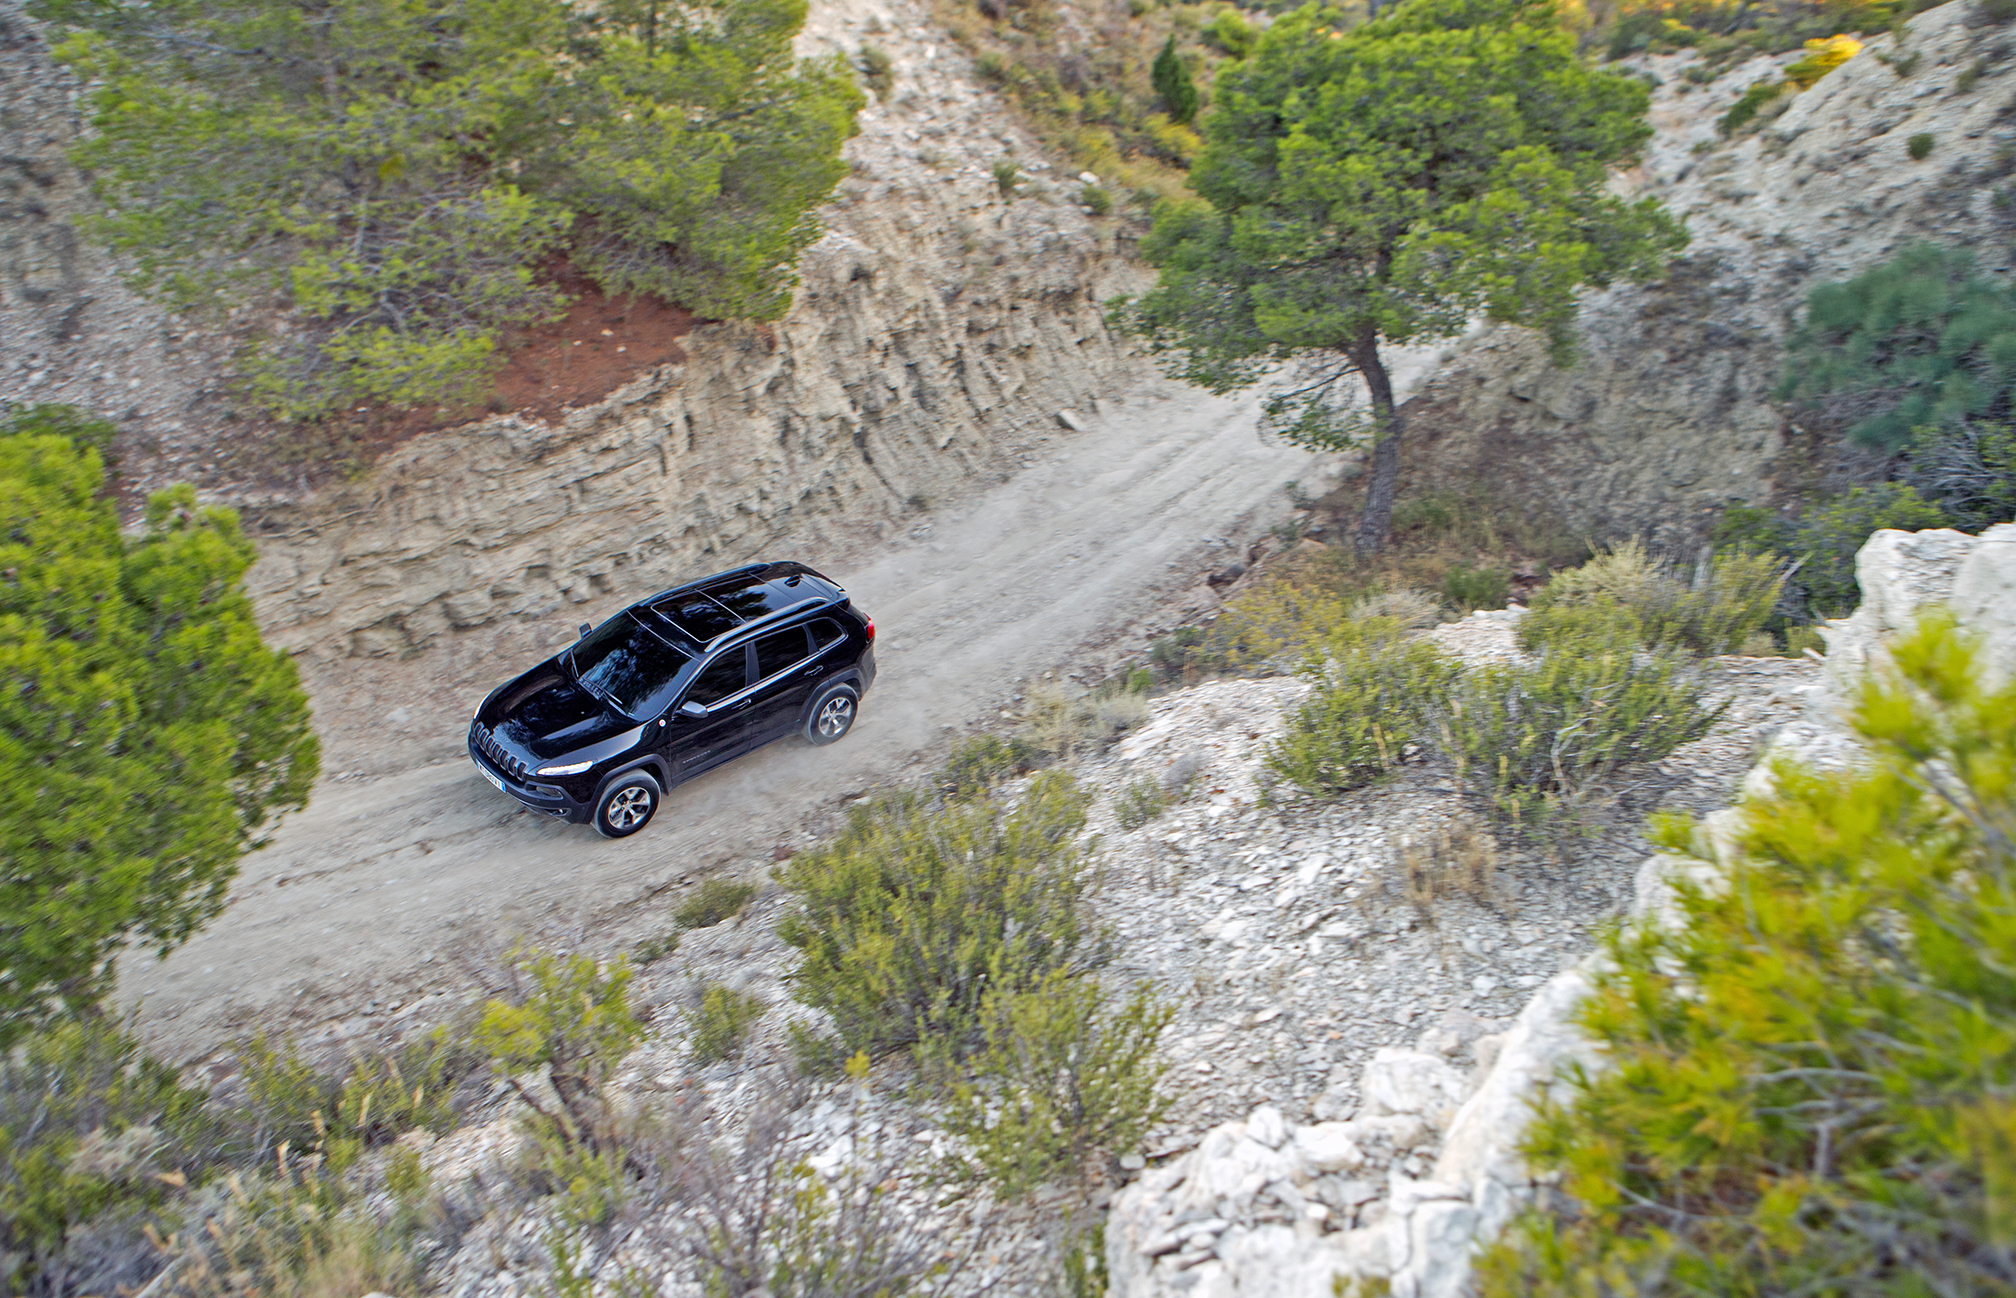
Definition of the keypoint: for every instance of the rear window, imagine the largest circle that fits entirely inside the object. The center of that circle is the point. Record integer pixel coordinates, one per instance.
(825, 631)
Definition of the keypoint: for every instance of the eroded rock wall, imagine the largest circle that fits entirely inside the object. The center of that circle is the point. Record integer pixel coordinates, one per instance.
(1669, 412)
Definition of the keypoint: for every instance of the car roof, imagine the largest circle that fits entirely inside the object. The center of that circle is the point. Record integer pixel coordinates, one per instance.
(716, 610)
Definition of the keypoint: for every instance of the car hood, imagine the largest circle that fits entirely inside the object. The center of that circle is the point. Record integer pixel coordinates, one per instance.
(544, 713)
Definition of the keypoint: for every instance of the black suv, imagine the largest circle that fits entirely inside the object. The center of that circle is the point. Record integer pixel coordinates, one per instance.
(672, 686)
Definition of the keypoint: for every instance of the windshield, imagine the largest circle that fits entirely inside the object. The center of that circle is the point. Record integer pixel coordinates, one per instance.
(627, 667)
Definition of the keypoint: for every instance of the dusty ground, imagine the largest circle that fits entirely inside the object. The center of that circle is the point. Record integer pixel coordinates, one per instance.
(356, 911)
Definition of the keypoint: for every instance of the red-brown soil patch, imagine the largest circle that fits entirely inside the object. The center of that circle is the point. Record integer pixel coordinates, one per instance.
(598, 345)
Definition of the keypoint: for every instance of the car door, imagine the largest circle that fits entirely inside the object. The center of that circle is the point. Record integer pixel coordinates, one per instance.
(721, 731)
(784, 673)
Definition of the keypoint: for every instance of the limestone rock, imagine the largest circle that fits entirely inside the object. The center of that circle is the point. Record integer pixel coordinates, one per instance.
(1409, 1081)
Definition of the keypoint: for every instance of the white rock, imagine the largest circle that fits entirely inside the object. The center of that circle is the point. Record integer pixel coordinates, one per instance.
(1328, 1147)
(1266, 1124)
(1072, 420)
(1411, 1081)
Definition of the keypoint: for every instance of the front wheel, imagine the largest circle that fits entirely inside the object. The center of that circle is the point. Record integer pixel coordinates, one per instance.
(832, 714)
(627, 806)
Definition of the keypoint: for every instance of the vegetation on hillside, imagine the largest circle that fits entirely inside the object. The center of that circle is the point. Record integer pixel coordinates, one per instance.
(1807, 1079)
(1385, 184)
(374, 195)
(1912, 362)
(147, 735)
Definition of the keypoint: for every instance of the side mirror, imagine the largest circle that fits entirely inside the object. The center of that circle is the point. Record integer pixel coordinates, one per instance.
(691, 709)
(586, 627)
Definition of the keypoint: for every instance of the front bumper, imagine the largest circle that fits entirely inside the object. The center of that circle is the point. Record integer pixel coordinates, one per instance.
(548, 798)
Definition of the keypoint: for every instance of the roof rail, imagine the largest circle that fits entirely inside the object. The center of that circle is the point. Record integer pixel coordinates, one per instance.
(757, 624)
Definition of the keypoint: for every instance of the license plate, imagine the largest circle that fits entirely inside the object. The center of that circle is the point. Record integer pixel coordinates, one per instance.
(496, 780)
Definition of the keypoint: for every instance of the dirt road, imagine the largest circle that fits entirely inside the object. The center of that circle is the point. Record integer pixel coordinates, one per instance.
(346, 922)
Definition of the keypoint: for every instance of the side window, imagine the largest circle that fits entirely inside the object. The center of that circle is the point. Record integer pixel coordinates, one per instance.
(724, 676)
(776, 652)
(824, 632)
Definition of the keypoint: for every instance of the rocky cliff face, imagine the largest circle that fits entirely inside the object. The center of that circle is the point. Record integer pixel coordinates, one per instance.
(938, 324)
(1669, 413)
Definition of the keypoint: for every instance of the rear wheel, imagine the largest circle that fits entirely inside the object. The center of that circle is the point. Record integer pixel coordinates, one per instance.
(627, 805)
(831, 715)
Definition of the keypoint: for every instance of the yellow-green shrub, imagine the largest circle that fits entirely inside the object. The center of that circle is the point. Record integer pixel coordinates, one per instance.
(1715, 615)
(722, 1023)
(1538, 738)
(1373, 695)
(573, 1018)
(1809, 1082)
(914, 913)
(1062, 1081)
(716, 900)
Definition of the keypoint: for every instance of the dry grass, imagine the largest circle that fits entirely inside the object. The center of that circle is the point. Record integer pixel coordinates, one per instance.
(1459, 860)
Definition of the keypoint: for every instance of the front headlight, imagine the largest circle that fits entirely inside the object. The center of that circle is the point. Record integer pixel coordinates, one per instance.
(571, 768)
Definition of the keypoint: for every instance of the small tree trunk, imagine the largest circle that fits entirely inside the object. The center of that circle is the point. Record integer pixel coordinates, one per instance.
(1377, 518)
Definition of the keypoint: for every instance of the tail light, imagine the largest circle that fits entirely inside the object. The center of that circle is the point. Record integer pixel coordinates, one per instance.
(871, 630)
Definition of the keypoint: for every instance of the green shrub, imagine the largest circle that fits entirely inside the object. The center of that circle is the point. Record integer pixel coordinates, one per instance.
(573, 1019)
(1539, 739)
(652, 949)
(721, 1025)
(1171, 78)
(1096, 197)
(878, 70)
(1368, 703)
(1007, 178)
(1972, 74)
(1468, 588)
(716, 900)
(912, 914)
(1920, 145)
(381, 1097)
(1140, 802)
(1967, 469)
(1062, 1084)
(2000, 11)
(293, 1232)
(1919, 340)
(1822, 57)
(1745, 109)
(89, 1124)
(979, 763)
(1808, 1079)
(1716, 613)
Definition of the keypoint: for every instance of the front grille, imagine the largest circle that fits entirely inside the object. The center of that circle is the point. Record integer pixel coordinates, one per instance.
(504, 761)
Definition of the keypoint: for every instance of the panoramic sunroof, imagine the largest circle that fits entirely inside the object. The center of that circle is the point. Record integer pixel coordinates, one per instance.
(699, 616)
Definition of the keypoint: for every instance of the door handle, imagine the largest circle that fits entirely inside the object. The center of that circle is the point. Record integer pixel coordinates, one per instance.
(812, 671)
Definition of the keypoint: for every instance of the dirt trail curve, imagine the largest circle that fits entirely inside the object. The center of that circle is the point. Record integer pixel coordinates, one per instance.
(360, 901)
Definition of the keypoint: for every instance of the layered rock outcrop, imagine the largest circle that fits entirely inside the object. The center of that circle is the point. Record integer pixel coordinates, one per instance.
(1669, 413)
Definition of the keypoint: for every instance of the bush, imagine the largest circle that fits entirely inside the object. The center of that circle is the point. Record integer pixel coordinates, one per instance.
(913, 914)
(722, 1023)
(1967, 469)
(1538, 739)
(1007, 178)
(566, 1015)
(1807, 1079)
(1822, 57)
(1468, 588)
(298, 1233)
(716, 900)
(979, 763)
(1412, 609)
(1919, 146)
(89, 1125)
(878, 70)
(1370, 701)
(1919, 340)
(1097, 198)
(1063, 724)
(383, 1095)
(1827, 538)
(1172, 81)
(1717, 613)
(1061, 1083)
(1745, 110)
(1140, 802)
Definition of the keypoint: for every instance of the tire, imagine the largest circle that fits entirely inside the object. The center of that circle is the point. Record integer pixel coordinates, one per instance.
(832, 714)
(627, 805)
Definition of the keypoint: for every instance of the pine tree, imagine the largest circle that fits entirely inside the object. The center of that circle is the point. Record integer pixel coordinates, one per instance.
(146, 732)
(1172, 80)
